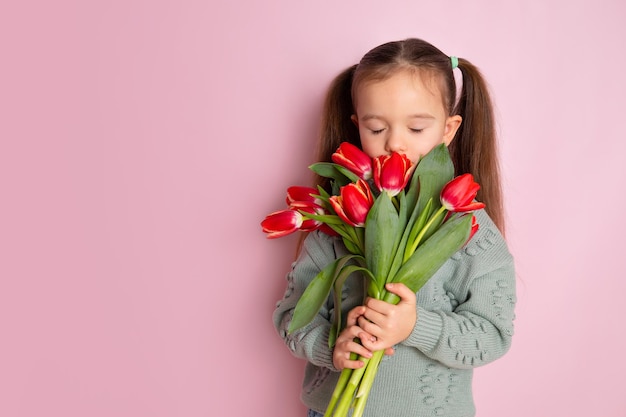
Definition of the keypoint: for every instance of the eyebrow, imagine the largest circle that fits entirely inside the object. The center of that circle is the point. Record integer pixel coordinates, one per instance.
(412, 116)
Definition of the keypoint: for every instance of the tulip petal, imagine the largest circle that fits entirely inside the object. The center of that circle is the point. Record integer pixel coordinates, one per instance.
(392, 173)
(302, 194)
(353, 203)
(354, 159)
(281, 223)
(458, 194)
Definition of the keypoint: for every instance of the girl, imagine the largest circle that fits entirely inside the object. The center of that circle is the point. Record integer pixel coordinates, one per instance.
(402, 97)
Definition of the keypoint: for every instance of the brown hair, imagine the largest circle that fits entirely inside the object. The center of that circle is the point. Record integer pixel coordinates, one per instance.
(474, 147)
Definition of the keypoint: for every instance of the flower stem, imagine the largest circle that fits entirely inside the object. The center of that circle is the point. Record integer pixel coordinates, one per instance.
(422, 232)
(366, 384)
(339, 388)
(348, 393)
(370, 373)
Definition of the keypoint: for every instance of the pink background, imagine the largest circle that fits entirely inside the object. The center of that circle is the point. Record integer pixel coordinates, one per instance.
(143, 141)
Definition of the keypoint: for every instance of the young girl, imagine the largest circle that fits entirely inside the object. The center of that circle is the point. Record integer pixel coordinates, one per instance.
(402, 97)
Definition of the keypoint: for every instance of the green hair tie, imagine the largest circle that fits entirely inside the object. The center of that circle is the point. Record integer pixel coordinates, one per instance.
(454, 61)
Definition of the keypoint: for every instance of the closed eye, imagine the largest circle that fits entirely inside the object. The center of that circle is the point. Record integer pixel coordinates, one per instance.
(377, 132)
(416, 130)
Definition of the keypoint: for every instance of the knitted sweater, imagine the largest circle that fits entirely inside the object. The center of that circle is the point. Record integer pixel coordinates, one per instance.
(464, 320)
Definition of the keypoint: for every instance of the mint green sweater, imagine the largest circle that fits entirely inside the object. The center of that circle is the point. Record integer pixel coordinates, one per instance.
(465, 319)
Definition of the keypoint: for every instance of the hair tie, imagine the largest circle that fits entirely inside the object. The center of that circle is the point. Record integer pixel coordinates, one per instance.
(454, 61)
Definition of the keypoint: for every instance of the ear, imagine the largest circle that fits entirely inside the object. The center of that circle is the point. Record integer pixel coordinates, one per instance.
(452, 125)
(355, 120)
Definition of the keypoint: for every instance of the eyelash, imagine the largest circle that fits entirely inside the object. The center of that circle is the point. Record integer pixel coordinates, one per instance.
(379, 131)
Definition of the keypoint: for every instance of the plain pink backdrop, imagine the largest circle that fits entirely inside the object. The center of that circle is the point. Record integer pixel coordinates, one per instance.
(143, 141)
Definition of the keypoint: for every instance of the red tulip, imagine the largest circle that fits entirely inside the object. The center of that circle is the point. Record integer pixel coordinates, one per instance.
(281, 223)
(308, 225)
(392, 173)
(351, 157)
(353, 203)
(458, 195)
(302, 194)
(284, 222)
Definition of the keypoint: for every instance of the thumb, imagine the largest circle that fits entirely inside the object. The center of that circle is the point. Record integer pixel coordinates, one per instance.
(402, 291)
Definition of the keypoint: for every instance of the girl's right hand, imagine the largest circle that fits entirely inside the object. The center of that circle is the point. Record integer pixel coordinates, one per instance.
(346, 344)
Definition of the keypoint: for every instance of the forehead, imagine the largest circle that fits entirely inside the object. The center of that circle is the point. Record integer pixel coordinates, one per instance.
(401, 89)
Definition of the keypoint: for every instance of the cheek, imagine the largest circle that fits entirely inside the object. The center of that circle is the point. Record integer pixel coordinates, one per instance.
(371, 149)
(370, 146)
(424, 145)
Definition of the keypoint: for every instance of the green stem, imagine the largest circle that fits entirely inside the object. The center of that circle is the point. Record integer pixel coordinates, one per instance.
(360, 236)
(350, 380)
(416, 242)
(348, 393)
(341, 384)
(370, 373)
(355, 238)
(366, 383)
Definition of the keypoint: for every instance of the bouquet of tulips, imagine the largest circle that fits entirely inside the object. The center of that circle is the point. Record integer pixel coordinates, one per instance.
(399, 222)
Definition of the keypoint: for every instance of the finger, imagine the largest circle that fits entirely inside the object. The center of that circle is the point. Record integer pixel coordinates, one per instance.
(370, 324)
(379, 306)
(402, 291)
(372, 319)
(348, 334)
(350, 364)
(354, 314)
(359, 349)
(348, 354)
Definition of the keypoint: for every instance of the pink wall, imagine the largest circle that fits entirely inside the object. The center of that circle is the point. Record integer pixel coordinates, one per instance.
(143, 141)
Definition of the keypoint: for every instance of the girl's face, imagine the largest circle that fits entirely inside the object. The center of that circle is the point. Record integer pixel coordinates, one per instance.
(403, 113)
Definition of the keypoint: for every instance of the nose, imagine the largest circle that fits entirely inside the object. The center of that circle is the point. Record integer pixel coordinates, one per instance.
(396, 142)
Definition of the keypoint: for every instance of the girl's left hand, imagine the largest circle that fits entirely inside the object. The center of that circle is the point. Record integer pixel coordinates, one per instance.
(388, 324)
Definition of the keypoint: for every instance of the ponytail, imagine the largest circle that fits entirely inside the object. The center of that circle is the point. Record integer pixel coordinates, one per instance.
(337, 126)
(474, 148)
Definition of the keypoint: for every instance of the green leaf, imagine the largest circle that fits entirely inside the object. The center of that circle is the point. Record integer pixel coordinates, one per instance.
(316, 294)
(415, 229)
(352, 248)
(381, 237)
(322, 193)
(346, 271)
(433, 171)
(406, 219)
(324, 218)
(331, 170)
(434, 252)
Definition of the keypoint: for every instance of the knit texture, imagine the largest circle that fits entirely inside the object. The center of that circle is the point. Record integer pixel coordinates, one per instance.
(465, 319)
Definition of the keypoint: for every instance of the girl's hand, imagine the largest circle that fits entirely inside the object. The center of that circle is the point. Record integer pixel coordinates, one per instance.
(345, 343)
(385, 323)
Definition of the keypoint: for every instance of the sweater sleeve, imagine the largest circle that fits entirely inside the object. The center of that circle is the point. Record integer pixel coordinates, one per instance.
(311, 341)
(478, 327)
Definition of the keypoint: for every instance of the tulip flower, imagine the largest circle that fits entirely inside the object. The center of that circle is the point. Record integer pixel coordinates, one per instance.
(354, 159)
(308, 225)
(281, 223)
(284, 222)
(353, 203)
(392, 173)
(458, 195)
(302, 194)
